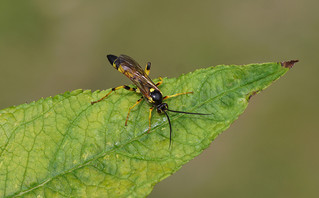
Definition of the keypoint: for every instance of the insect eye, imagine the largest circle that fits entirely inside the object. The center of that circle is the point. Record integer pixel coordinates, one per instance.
(156, 95)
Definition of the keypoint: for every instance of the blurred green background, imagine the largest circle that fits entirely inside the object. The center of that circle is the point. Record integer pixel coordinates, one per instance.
(49, 47)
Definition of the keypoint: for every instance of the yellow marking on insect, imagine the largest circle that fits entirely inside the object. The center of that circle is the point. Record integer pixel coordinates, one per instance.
(150, 100)
(152, 89)
(114, 65)
(148, 68)
(120, 69)
(130, 75)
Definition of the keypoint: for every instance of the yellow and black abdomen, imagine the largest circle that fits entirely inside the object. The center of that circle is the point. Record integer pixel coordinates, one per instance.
(131, 69)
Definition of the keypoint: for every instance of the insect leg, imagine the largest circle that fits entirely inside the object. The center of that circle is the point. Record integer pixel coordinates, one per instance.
(113, 89)
(160, 82)
(171, 96)
(149, 119)
(128, 114)
(148, 68)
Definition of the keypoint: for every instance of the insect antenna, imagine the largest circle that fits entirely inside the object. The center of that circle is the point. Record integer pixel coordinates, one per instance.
(188, 112)
(170, 129)
(169, 121)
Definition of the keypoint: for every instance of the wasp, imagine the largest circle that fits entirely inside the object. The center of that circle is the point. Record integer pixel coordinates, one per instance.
(149, 90)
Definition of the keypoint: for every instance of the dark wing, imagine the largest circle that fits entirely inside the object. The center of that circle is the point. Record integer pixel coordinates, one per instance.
(136, 74)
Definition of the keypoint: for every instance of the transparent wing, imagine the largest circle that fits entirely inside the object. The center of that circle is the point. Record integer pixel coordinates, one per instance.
(136, 74)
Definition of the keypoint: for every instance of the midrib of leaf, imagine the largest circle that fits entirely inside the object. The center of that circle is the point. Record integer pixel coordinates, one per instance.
(102, 154)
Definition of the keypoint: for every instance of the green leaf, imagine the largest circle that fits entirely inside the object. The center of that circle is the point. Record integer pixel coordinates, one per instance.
(63, 146)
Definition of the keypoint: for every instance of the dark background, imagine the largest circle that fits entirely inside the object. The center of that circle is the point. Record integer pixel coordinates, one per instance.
(49, 47)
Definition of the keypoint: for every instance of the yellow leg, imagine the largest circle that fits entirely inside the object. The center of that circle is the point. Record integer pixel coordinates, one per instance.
(128, 114)
(171, 96)
(113, 89)
(148, 68)
(160, 82)
(149, 119)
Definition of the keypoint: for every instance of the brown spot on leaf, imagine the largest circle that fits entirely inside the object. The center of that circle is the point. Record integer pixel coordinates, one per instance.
(289, 64)
(252, 94)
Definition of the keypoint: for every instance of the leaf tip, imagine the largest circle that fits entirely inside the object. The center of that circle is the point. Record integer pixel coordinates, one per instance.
(289, 64)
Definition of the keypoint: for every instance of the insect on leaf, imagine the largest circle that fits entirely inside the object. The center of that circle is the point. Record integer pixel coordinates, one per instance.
(63, 146)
